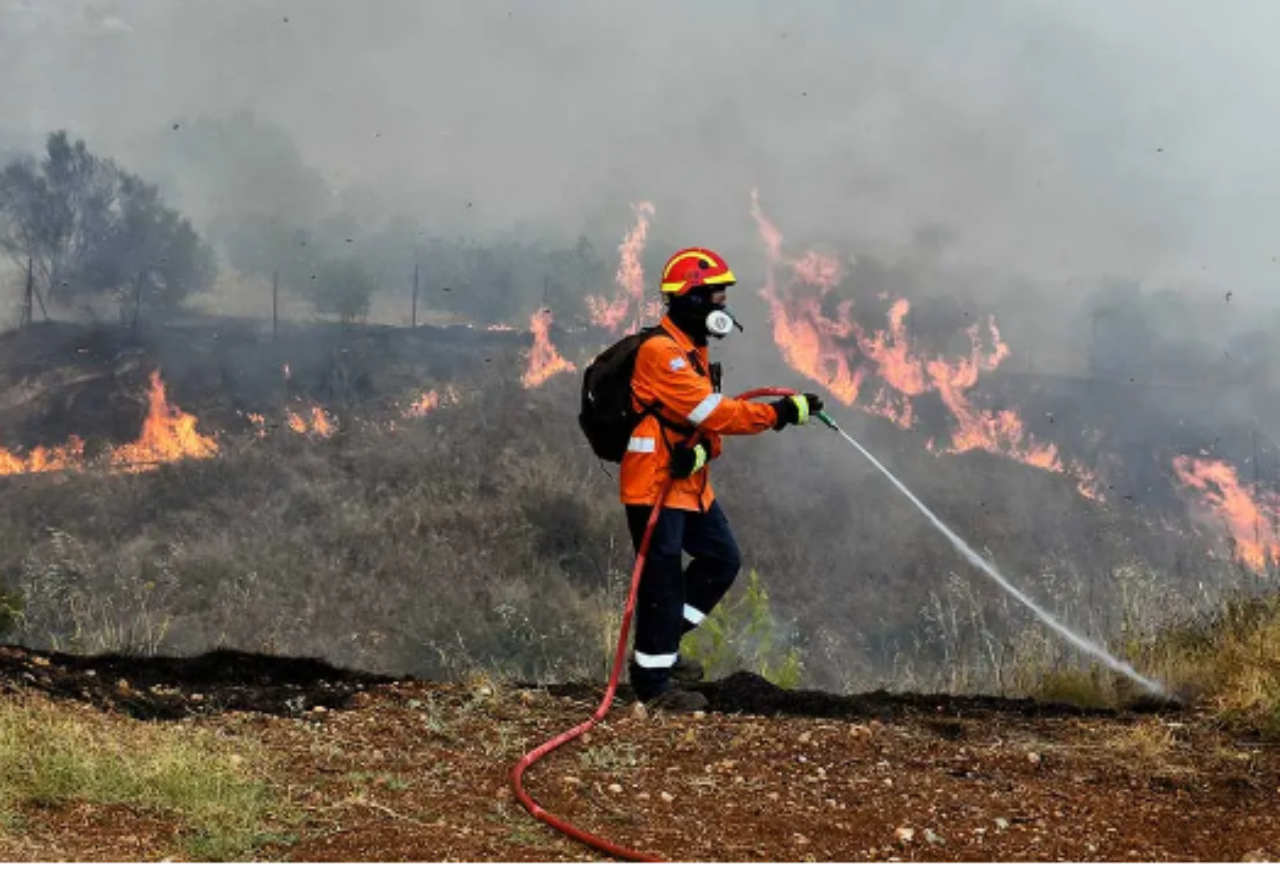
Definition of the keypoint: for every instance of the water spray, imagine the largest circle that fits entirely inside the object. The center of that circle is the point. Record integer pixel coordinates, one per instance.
(1081, 643)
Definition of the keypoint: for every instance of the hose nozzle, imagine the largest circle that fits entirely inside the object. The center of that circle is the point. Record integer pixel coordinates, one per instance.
(831, 424)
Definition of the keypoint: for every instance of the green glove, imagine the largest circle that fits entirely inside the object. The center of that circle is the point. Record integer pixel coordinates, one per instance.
(796, 408)
(687, 461)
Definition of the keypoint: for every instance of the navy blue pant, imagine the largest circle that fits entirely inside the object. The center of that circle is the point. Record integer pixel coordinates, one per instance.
(672, 600)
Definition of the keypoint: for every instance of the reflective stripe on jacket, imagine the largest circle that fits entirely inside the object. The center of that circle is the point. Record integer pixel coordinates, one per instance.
(666, 375)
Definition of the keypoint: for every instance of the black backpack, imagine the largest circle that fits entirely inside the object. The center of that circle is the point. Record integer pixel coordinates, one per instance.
(607, 417)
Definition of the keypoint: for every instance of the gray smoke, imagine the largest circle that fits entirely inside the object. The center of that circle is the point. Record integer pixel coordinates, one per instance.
(1062, 139)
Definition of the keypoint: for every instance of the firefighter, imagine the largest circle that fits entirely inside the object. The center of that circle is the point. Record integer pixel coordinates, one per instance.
(674, 386)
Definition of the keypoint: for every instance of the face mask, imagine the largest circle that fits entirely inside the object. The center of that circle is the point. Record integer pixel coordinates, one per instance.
(701, 319)
(720, 322)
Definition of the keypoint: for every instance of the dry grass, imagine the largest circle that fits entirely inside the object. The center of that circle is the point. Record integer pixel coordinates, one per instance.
(1230, 660)
(485, 536)
(214, 785)
(1226, 660)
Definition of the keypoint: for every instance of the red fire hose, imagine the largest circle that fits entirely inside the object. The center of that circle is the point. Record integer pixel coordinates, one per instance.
(517, 772)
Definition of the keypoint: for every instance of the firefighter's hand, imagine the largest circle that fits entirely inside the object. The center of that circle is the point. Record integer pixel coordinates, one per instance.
(686, 461)
(796, 409)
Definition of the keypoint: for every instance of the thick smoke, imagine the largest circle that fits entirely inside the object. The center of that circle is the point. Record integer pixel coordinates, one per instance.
(1057, 139)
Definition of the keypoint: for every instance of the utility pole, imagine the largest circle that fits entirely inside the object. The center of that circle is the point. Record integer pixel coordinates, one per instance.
(137, 300)
(275, 303)
(28, 310)
(414, 315)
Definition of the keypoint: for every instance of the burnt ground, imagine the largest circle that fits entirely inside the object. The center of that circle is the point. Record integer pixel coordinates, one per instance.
(399, 769)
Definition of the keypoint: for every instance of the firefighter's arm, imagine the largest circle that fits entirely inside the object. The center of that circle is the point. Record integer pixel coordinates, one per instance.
(686, 395)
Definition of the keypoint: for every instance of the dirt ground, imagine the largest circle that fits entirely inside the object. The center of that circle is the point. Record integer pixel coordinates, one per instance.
(383, 769)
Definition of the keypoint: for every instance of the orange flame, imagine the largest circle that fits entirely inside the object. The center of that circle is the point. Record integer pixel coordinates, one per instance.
(427, 402)
(42, 459)
(320, 422)
(630, 280)
(259, 424)
(891, 351)
(980, 429)
(805, 336)
(816, 345)
(1249, 516)
(168, 434)
(544, 360)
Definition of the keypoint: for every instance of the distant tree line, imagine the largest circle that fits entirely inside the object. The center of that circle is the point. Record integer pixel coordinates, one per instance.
(91, 231)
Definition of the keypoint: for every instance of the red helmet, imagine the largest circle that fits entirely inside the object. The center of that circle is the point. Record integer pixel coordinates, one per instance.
(695, 267)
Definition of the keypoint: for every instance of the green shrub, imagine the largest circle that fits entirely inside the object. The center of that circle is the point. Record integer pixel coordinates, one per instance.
(742, 633)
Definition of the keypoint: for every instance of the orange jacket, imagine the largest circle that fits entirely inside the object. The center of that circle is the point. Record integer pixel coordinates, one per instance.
(665, 374)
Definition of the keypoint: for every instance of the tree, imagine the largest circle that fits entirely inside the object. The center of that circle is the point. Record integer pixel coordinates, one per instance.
(92, 230)
(343, 288)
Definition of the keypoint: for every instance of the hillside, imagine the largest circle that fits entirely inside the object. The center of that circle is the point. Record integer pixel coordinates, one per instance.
(362, 768)
(412, 500)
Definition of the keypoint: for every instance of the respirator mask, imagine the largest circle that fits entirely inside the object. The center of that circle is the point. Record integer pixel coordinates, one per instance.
(720, 321)
(699, 317)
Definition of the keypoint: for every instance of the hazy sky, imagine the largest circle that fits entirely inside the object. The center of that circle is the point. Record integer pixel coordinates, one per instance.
(1055, 137)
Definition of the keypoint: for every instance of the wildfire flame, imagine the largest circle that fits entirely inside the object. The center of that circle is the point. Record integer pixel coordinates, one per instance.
(1249, 515)
(320, 422)
(828, 346)
(168, 434)
(427, 402)
(259, 424)
(42, 459)
(613, 316)
(544, 360)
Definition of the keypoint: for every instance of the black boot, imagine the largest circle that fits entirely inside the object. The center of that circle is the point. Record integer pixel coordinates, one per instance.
(686, 672)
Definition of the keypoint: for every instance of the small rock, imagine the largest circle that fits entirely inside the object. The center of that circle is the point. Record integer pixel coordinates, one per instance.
(526, 696)
(122, 685)
(414, 703)
(905, 835)
(484, 691)
(699, 714)
(1257, 856)
(235, 760)
(571, 780)
(773, 795)
(643, 796)
(888, 782)
(806, 737)
(1002, 824)
(1033, 757)
(933, 839)
(801, 840)
(667, 797)
(196, 698)
(40, 661)
(739, 780)
(318, 709)
(638, 711)
(615, 788)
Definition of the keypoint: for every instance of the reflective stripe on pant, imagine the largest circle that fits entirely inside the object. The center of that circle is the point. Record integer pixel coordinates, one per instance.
(673, 601)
